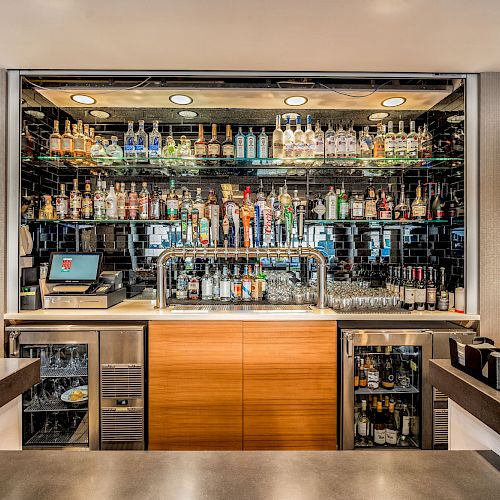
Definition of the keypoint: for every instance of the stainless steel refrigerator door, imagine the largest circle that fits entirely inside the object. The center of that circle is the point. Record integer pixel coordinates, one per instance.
(65, 335)
(352, 338)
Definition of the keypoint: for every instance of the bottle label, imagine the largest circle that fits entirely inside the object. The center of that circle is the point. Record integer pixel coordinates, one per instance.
(181, 293)
(419, 210)
(263, 147)
(357, 209)
(172, 208)
(379, 436)
(67, 144)
(431, 295)
(225, 289)
(319, 147)
(405, 428)
(228, 150)
(128, 147)
(343, 210)
(391, 436)
(250, 147)
(401, 143)
(373, 379)
(139, 146)
(385, 215)
(370, 209)
(330, 146)
(362, 428)
(420, 295)
(55, 144)
(87, 208)
(410, 295)
(320, 210)
(213, 150)
(246, 290)
(402, 294)
(331, 207)
(240, 146)
(200, 150)
(206, 289)
(412, 143)
(236, 290)
(79, 144)
(389, 144)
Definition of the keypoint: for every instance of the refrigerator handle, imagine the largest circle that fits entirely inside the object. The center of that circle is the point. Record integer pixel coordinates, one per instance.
(14, 344)
(348, 343)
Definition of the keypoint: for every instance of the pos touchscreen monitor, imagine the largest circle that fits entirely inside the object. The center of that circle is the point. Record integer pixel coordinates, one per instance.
(65, 267)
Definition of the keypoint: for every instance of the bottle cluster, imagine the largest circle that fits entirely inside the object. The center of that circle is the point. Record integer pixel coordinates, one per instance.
(79, 141)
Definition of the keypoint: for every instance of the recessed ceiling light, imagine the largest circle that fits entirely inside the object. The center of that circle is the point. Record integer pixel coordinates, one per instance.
(35, 114)
(181, 99)
(187, 113)
(375, 117)
(296, 100)
(455, 119)
(99, 113)
(83, 99)
(392, 102)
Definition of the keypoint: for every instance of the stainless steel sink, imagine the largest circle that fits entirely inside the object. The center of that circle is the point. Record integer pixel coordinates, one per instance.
(254, 308)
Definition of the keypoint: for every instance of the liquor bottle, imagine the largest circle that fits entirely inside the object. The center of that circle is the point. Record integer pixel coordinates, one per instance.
(390, 141)
(227, 145)
(404, 417)
(319, 141)
(225, 285)
(155, 144)
(391, 428)
(121, 201)
(299, 140)
(216, 279)
(331, 204)
(438, 205)
(75, 201)
(207, 285)
(239, 140)
(330, 141)
(154, 210)
(79, 141)
(309, 140)
(67, 141)
(261, 280)
(365, 143)
(390, 198)
(47, 210)
(379, 426)
(27, 143)
(388, 369)
(443, 297)
(402, 283)
(401, 211)
(97, 152)
(288, 138)
(412, 142)
(182, 285)
(198, 203)
(129, 144)
(114, 151)
(343, 204)
(363, 381)
(236, 285)
(251, 145)
(370, 202)
(418, 207)
(90, 141)
(87, 202)
(144, 202)
(133, 202)
(379, 142)
(214, 145)
(111, 204)
(363, 427)
(194, 288)
(296, 201)
(211, 201)
(169, 150)
(409, 290)
(357, 206)
(400, 149)
(200, 145)
(246, 285)
(425, 143)
(62, 204)
(356, 373)
(420, 291)
(431, 294)
(384, 211)
(263, 144)
(278, 145)
(55, 141)
(99, 202)
(341, 142)
(141, 144)
(373, 376)
(318, 207)
(187, 202)
(351, 145)
(173, 202)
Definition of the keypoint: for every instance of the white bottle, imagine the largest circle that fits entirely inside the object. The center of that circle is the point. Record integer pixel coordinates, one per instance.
(207, 285)
(111, 204)
(251, 146)
(263, 149)
(331, 204)
(121, 201)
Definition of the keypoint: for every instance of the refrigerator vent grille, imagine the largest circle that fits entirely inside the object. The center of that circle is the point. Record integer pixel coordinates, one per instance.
(440, 396)
(122, 381)
(122, 424)
(440, 426)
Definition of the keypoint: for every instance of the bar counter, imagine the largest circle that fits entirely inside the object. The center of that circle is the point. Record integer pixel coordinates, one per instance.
(259, 475)
(144, 310)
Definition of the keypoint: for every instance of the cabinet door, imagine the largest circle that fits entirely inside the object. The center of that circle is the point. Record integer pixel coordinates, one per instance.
(289, 385)
(195, 385)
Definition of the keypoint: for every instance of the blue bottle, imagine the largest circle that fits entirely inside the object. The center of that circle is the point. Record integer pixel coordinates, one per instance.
(251, 145)
(239, 145)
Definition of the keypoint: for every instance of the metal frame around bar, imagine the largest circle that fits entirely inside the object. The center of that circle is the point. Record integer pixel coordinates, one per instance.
(224, 252)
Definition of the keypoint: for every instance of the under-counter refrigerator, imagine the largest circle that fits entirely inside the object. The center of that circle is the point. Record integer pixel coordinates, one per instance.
(386, 399)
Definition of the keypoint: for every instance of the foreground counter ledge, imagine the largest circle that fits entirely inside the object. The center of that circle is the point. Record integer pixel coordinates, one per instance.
(227, 475)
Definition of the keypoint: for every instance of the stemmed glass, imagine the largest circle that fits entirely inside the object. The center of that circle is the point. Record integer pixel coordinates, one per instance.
(72, 363)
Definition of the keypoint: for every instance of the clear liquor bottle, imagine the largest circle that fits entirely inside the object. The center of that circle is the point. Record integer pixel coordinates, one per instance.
(331, 204)
(62, 203)
(412, 142)
(211, 201)
(75, 201)
(341, 142)
(330, 141)
(401, 139)
(67, 141)
(55, 141)
(121, 201)
(114, 151)
(207, 285)
(155, 144)
(194, 288)
(216, 279)
(154, 205)
(319, 141)
(309, 139)
(99, 202)
(87, 202)
(88, 143)
(91, 141)
(214, 145)
(425, 143)
(418, 207)
(390, 141)
(379, 142)
(365, 143)
(236, 285)
(251, 145)
(187, 202)
(129, 144)
(263, 144)
(227, 145)
(199, 203)
(443, 297)
(298, 139)
(141, 144)
(182, 285)
(246, 285)
(288, 140)
(111, 204)
(401, 211)
(144, 202)
(239, 141)
(225, 285)
(351, 142)
(410, 288)
(133, 202)
(278, 140)
(363, 426)
(79, 141)
(370, 202)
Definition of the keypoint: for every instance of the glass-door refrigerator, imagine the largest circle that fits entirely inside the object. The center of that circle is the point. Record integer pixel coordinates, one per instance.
(62, 411)
(385, 394)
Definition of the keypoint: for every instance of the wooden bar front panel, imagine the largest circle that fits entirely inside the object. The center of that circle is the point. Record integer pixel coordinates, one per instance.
(195, 385)
(289, 385)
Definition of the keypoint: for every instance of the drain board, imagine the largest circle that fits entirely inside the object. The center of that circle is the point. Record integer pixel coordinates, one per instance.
(202, 308)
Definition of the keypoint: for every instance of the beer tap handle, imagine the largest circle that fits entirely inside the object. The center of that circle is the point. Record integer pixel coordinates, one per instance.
(215, 224)
(301, 211)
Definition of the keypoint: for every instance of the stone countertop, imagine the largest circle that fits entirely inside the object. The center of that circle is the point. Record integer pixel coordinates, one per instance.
(471, 394)
(16, 376)
(252, 475)
(144, 310)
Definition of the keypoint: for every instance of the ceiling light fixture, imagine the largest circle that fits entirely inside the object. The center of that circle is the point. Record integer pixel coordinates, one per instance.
(392, 102)
(375, 117)
(83, 99)
(180, 99)
(293, 116)
(35, 114)
(185, 113)
(99, 113)
(296, 100)
(455, 119)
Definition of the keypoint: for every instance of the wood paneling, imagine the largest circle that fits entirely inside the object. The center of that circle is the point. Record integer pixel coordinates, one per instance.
(489, 204)
(289, 385)
(195, 385)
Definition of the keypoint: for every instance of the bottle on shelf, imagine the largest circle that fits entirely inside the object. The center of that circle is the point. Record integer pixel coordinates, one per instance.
(263, 144)
(390, 141)
(225, 285)
(401, 139)
(373, 375)
(425, 143)
(410, 288)
(402, 210)
(388, 369)
(412, 142)
(331, 204)
(379, 142)
(62, 204)
(79, 141)
(431, 292)
(418, 207)
(343, 201)
(298, 140)
(173, 202)
(351, 143)
(420, 291)
(363, 427)
(236, 285)
(443, 297)
(278, 141)
(251, 145)
(214, 145)
(330, 146)
(384, 211)
(288, 140)
(111, 204)
(370, 202)
(75, 201)
(365, 143)
(87, 202)
(379, 426)
(309, 139)
(239, 140)
(357, 207)
(182, 285)
(207, 285)
(144, 202)
(154, 205)
(47, 210)
(141, 144)
(55, 147)
(154, 150)
(133, 203)
(99, 202)
(227, 145)
(404, 416)
(129, 144)
(319, 141)
(67, 141)
(194, 288)
(115, 151)
(341, 142)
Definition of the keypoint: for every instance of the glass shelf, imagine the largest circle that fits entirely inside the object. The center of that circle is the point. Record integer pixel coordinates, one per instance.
(326, 222)
(381, 390)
